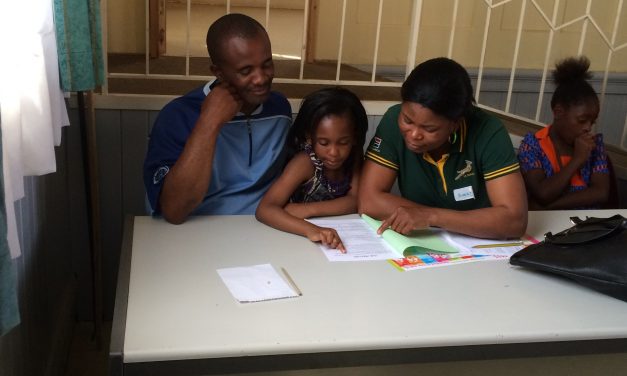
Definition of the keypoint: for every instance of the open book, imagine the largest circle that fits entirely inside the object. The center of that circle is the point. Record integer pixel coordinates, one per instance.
(419, 242)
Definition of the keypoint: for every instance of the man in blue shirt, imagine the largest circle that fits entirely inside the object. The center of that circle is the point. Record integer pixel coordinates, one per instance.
(217, 149)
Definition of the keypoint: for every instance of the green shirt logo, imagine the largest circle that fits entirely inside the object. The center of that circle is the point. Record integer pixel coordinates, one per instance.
(466, 171)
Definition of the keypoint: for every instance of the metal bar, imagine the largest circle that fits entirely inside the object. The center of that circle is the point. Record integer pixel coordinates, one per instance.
(453, 28)
(303, 48)
(159, 76)
(277, 79)
(600, 31)
(500, 3)
(547, 55)
(268, 16)
(486, 29)
(546, 19)
(610, 53)
(187, 35)
(105, 44)
(611, 40)
(376, 42)
(584, 28)
(147, 35)
(339, 53)
(512, 75)
(413, 39)
(574, 20)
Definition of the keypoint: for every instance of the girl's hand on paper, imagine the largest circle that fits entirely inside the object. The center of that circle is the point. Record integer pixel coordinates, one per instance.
(405, 219)
(327, 236)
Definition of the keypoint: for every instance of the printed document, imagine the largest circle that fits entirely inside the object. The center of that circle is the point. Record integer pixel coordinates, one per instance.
(418, 242)
(361, 242)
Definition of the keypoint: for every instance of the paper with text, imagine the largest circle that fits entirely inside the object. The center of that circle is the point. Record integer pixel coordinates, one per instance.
(499, 248)
(423, 241)
(361, 242)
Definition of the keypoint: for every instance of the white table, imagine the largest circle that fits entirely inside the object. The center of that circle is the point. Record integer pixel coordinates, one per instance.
(174, 314)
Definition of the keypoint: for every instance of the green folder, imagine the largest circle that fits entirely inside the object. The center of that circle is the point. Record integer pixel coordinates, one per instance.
(421, 241)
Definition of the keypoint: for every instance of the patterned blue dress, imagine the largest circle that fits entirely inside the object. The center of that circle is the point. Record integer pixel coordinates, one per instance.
(532, 156)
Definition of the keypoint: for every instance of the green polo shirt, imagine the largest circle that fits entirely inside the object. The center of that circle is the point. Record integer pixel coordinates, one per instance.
(483, 151)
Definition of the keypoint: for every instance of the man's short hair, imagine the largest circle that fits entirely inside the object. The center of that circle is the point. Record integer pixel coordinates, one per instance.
(227, 27)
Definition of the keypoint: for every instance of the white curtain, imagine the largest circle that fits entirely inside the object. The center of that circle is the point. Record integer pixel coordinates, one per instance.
(32, 106)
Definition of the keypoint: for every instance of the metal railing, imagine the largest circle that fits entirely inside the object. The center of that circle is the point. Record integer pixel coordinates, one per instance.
(587, 20)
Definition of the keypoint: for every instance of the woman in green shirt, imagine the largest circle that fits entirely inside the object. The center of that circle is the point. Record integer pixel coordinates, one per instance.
(455, 164)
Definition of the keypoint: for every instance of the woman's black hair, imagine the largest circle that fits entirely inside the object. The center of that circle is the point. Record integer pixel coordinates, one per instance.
(442, 85)
(329, 101)
(572, 88)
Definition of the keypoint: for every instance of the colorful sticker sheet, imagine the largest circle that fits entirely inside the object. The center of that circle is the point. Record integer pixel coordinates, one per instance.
(429, 260)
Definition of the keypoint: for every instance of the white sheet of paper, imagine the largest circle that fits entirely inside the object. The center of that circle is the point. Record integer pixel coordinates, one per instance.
(465, 245)
(497, 252)
(361, 242)
(256, 283)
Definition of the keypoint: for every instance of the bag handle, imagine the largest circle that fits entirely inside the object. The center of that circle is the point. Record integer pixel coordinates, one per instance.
(588, 230)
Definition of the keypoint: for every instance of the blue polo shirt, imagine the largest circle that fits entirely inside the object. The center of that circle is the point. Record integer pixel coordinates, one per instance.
(249, 152)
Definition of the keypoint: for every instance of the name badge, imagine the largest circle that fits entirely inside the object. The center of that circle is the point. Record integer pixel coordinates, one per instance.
(462, 194)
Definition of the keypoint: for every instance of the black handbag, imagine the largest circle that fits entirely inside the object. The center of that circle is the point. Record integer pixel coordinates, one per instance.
(593, 252)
